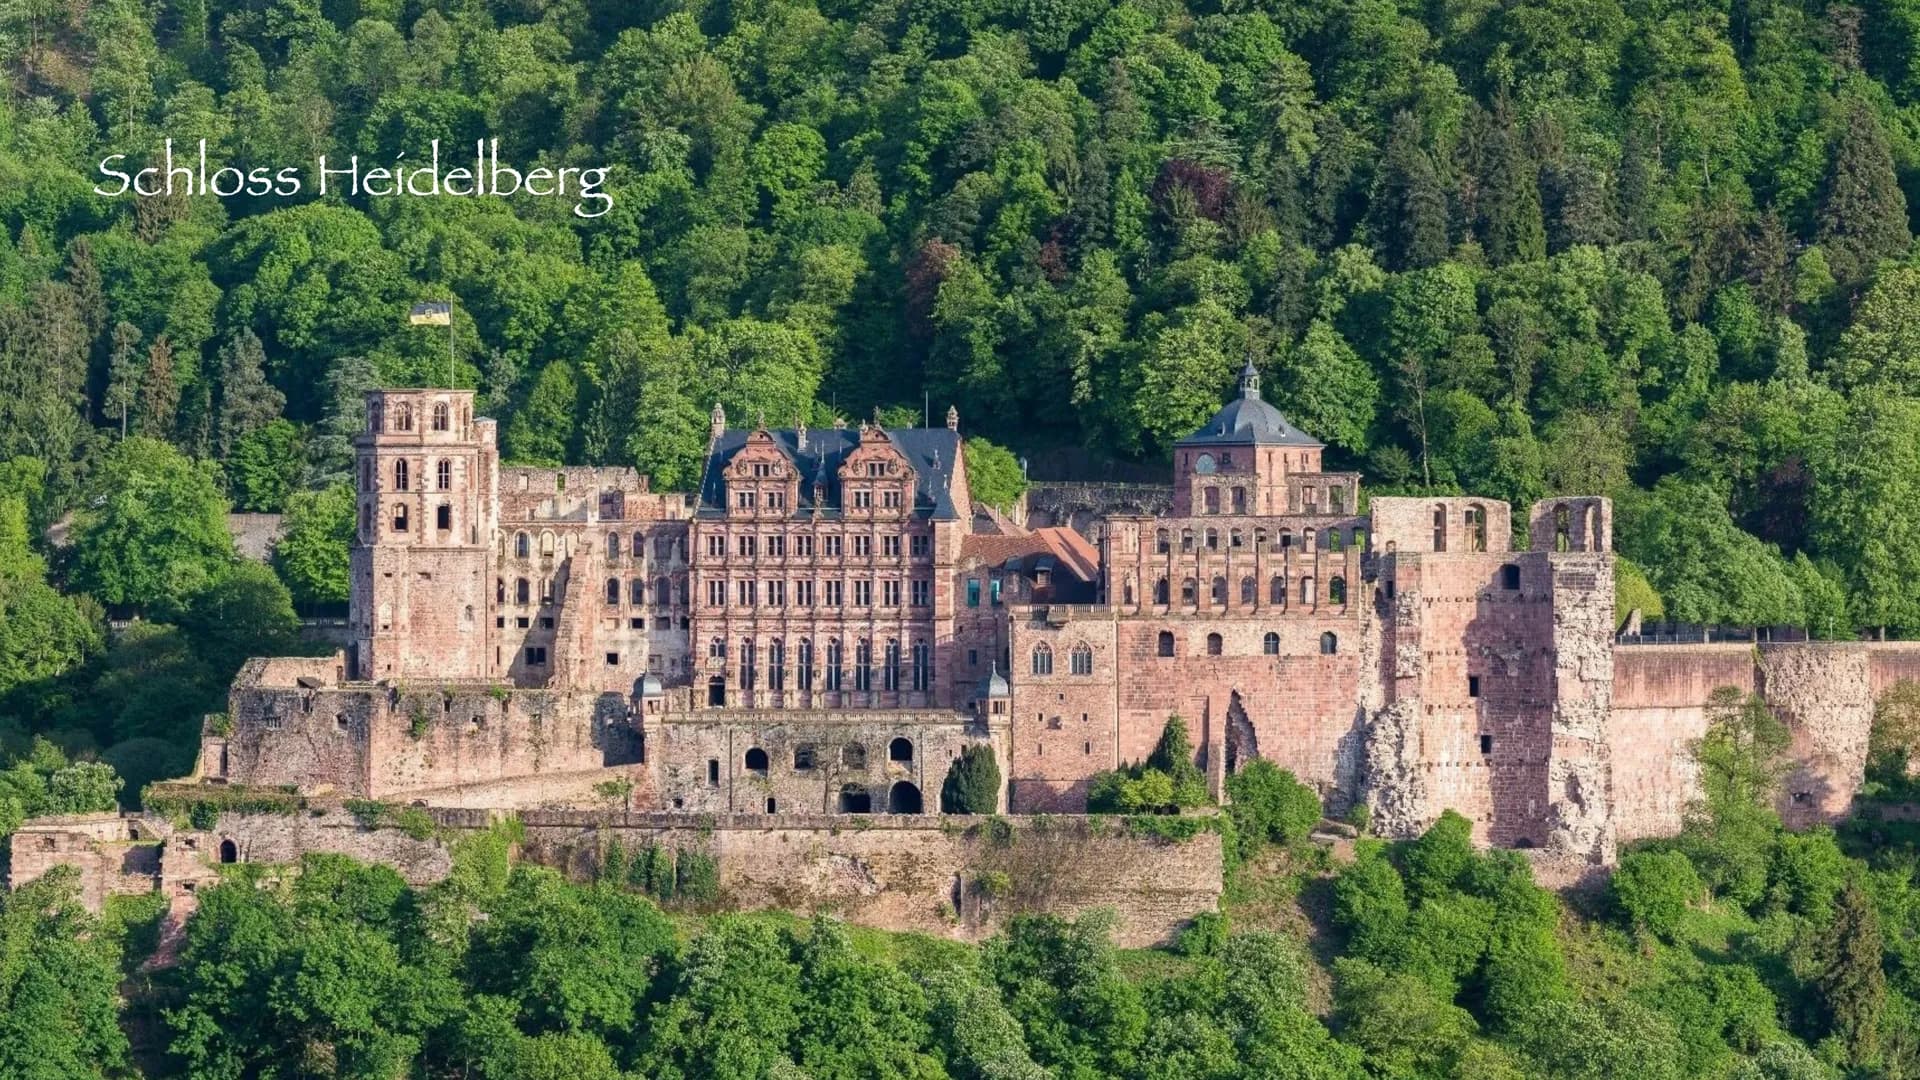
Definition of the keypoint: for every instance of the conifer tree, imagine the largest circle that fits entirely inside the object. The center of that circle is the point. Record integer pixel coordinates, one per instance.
(1410, 207)
(123, 375)
(159, 394)
(1511, 225)
(1853, 985)
(248, 402)
(1863, 215)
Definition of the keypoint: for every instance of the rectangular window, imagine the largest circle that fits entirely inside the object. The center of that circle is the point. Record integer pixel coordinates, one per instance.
(890, 499)
(891, 546)
(863, 500)
(776, 500)
(713, 772)
(777, 593)
(922, 593)
(922, 546)
(1486, 744)
(717, 547)
(890, 593)
(863, 594)
(803, 546)
(863, 547)
(743, 499)
(636, 624)
(443, 518)
(996, 592)
(1473, 686)
(922, 666)
(803, 593)
(521, 623)
(716, 594)
(747, 546)
(833, 547)
(777, 546)
(973, 592)
(613, 659)
(749, 594)
(536, 656)
(834, 593)
(546, 622)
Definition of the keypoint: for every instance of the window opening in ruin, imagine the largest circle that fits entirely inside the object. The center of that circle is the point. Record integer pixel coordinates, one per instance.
(1212, 498)
(1270, 645)
(1486, 744)
(1189, 590)
(440, 416)
(1239, 500)
(756, 761)
(713, 772)
(1562, 529)
(521, 545)
(903, 798)
(900, 750)
(1510, 577)
(770, 805)
(854, 799)
(1219, 592)
(229, 852)
(1161, 591)
(1440, 528)
(613, 659)
(1476, 528)
(853, 756)
(1329, 644)
(400, 519)
(1162, 542)
(537, 655)
(1473, 686)
(613, 591)
(717, 691)
(1214, 645)
(803, 756)
(1306, 590)
(1166, 643)
(1277, 591)
(1337, 590)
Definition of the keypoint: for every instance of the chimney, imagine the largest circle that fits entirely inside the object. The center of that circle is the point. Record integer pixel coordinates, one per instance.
(719, 419)
(953, 418)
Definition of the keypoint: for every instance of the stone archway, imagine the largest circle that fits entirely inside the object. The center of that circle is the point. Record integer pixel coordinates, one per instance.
(1243, 743)
(903, 798)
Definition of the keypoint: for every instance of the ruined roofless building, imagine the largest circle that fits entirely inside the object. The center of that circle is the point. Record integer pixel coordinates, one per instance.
(829, 621)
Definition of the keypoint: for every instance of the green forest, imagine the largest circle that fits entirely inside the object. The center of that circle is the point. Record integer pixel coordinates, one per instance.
(1735, 951)
(1657, 251)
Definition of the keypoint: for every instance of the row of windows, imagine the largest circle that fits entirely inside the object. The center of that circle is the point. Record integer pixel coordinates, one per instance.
(665, 548)
(1475, 518)
(403, 519)
(751, 545)
(806, 756)
(1249, 591)
(403, 475)
(834, 675)
(773, 593)
(664, 593)
(440, 416)
(1082, 655)
(1209, 539)
(1080, 658)
(1210, 499)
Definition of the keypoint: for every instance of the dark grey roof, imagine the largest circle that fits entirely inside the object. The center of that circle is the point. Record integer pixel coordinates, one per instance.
(995, 684)
(1249, 419)
(931, 452)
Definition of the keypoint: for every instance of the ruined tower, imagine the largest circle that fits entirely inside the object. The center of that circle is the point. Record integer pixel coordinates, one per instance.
(426, 476)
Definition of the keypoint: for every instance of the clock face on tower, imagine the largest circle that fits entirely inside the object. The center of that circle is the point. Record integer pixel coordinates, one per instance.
(1203, 464)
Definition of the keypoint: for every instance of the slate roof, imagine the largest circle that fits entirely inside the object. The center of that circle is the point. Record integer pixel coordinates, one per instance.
(1248, 419)
(931, 452)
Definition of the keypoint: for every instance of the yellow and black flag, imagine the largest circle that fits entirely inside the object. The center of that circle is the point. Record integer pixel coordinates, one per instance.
(432, 313)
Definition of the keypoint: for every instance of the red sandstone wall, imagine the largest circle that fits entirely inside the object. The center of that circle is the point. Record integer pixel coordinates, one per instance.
(1659, 706)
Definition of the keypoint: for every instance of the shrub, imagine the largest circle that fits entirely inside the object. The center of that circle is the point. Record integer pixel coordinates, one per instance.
(1270, 806)
(1653, 889)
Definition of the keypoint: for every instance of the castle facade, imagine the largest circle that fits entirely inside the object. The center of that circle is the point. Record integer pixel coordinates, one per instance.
(830, 620)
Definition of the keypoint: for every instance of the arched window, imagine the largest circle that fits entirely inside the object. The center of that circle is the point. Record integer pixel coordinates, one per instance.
(400, 478)
(499, 590)
(613, 590)
(1334, 540)
(1166, 643)
(747, 656)
(804, 663)
(890, 665)
(1277, 591)
(1239, 500)
(1562, 528)
(546, 545)
(613, 547)
(1211, 496)
(1307, 595)
(756, 761)
(1189, 591)
(1161, 592)
(1329, 644)
(1286, 539)
(1307, 540)
(1249, 591)
(522, 547)
(639, 547)
(1236, 538)
(637, 592)
(717, 648)
(443, 475)
(1219, 592)
(403, 417)
(900, 750)
(522, 591)
(1214, 645)
(776, 664)
(1186, 539)
(863, 665)
(1082, 659)
(1270, 645)
(1213, 539)
(439, 416)
(1337, 590)
(1476, 528)
(1042, 659)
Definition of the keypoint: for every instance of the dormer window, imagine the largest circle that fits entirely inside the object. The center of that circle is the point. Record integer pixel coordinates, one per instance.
(876, 468)
(743, 500)
(762, 469)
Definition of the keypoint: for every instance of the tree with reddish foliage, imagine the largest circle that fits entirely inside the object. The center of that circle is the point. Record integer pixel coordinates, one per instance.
(1189, 187)
(925, 272)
